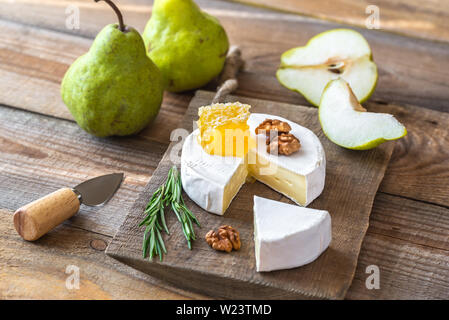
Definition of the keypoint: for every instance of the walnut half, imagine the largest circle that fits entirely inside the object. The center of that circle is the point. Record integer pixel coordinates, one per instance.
(225, 239)
(273, 125)
(285, 143)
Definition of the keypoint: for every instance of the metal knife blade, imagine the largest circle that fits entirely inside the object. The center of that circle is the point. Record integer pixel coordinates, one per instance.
(98, 190)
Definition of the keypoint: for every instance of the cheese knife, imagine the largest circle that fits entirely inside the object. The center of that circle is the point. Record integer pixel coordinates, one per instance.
(37, 218)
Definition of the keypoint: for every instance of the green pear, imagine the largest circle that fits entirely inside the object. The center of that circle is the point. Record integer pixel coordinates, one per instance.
(188, 45)
(346, 123)
(337, 53)
(113, 89)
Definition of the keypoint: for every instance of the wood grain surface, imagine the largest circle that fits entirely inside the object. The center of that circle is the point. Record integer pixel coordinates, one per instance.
(41, 152)
(38, 270)
(352, 179)
(417, 18)
(40, 162)
(407, 270)
(410, 70)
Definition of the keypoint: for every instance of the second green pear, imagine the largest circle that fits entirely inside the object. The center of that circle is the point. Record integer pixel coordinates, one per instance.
(188, 45)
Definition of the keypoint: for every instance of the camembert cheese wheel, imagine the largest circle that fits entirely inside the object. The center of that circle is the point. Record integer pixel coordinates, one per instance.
(212, 181)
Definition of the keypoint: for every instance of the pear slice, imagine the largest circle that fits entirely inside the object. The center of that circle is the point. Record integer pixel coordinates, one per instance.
(346, 123)
(329, 55)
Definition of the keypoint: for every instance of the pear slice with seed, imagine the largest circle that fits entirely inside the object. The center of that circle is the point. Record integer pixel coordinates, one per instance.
(329, 55)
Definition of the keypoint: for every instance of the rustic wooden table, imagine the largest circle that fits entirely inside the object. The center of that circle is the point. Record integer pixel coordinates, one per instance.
(42, 149)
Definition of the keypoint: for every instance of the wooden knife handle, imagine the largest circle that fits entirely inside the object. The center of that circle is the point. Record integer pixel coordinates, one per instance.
(35, 219)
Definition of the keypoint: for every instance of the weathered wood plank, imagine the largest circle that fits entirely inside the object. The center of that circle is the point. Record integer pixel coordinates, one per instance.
(26, 271)
(410, 70)
(41, 154)
(52, 14)
(412, 221)
(407, 270)
(423, 19)
(37, 270)
(419, 167)
(23, 180)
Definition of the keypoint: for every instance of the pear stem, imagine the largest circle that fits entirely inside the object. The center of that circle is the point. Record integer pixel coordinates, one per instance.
(117, 12)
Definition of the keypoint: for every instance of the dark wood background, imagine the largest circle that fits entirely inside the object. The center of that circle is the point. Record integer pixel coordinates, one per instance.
(42, 149)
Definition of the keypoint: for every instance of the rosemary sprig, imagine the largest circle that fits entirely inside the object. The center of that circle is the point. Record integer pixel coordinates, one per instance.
(169, 194)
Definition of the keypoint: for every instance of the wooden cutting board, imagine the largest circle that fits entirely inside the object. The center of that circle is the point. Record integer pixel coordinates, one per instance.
(352, 179)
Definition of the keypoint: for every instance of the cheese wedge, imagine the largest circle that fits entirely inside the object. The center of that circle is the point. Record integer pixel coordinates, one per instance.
(288, 236)
(212, 181)
(299, 176)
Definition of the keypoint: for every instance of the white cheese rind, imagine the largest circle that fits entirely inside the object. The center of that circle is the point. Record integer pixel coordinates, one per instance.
(309, 161)
(288, 236)
(204, 176)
